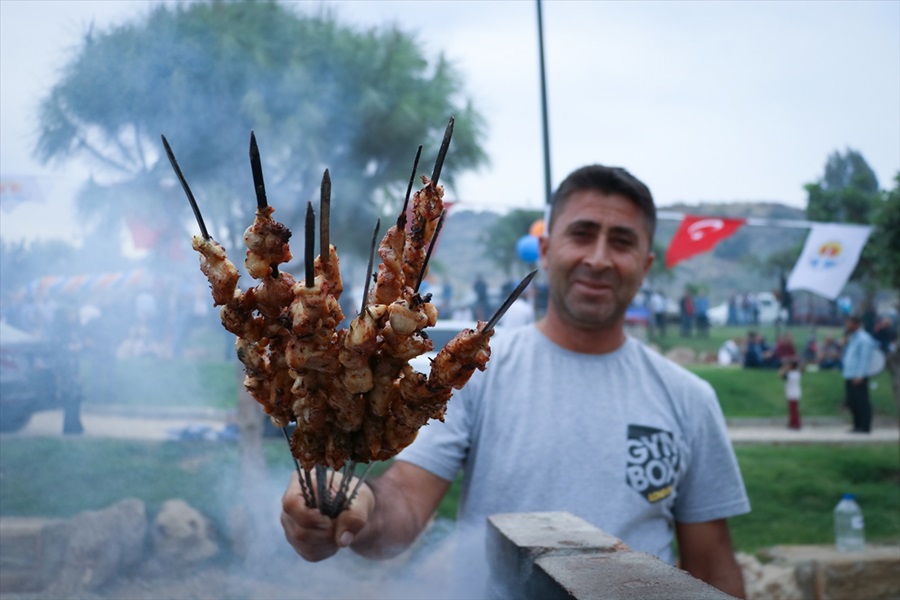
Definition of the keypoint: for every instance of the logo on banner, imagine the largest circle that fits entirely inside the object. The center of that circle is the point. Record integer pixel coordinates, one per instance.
(828, 255)
(654, 462)
(699, 229)
(698, 234)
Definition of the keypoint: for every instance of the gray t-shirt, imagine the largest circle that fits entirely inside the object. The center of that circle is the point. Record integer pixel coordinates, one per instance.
(627, 440)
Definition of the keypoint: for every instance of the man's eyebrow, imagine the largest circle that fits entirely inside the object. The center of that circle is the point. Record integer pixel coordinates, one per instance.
(592, 224)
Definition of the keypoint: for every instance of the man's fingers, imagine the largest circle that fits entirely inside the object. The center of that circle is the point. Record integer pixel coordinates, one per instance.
(350, 522)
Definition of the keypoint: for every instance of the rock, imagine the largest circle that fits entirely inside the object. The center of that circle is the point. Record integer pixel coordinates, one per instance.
(98, 546)
(681, 355)
(768, 581)
(182, 535)
(823, 572)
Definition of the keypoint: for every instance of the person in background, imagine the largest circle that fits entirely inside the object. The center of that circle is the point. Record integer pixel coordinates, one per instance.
(730, 352)
(701, 306)
(572, 386)
(790, 371)
(830, 354)
(753, 353)
(687, 312)
(811, 350)
(784, 349)
(658, 312)
(885, 334)
(855, 367)
(481, 307)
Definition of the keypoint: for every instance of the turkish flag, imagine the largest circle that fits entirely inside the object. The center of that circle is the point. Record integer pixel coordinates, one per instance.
(696, 235)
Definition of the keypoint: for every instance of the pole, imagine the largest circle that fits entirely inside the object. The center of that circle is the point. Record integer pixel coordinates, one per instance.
(544, 121)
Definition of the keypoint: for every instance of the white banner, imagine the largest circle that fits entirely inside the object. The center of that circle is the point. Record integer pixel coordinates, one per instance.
(828, 258)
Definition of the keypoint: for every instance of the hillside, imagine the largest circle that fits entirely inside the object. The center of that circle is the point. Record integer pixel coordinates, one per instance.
(728, 269)
(735, 264)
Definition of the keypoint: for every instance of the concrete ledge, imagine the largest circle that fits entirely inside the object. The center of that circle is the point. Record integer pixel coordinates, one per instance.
(553, 555)
(621, 575)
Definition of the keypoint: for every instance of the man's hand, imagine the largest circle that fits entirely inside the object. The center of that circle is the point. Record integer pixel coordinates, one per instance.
(407, 497)
(316, 537)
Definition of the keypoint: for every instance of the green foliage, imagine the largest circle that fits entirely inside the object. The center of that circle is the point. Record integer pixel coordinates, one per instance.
(318, 95)
(499, 241)
(886, 239)
(848, 193)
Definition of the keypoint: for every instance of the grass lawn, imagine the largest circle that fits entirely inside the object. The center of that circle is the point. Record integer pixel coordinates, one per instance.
(793, 489)
(211, 381)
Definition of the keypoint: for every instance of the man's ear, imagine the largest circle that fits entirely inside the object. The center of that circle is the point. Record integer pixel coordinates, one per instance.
(651, 257)
(543, 246)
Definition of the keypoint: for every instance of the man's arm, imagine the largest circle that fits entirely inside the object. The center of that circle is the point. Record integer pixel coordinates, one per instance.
(705, 552)
(385, 518)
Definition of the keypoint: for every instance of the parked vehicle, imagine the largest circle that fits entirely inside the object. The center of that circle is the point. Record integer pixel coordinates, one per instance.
(29, 381)
(770, 311)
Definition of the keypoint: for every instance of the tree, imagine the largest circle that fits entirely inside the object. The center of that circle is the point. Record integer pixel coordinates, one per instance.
(886, 248)
(499, 241)
(848, 193)
(886, 239)
(318, 95)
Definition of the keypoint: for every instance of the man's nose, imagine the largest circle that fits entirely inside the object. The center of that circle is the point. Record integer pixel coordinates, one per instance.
(598, 256)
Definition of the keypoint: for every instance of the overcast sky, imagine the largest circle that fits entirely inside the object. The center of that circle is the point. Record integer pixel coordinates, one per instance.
(704, 101)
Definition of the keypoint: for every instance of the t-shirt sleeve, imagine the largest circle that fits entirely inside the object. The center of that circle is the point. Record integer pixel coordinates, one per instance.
(442, 447)
(712, 487)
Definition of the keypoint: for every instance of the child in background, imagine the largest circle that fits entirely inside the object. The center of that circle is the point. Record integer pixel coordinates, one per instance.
(790, 372)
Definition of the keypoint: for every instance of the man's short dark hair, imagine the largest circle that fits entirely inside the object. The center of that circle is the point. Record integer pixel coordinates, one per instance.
(607, 180)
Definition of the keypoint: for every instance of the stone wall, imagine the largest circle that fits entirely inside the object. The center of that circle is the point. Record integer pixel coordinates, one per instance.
(69, 557)
(558, 555)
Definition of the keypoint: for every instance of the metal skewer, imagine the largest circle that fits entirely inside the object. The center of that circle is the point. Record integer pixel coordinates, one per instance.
(308, 498)
(325, 218)
(401, 219)
(437, 231)
(509, 301)
(442, 153)
(187, 189)
(310, 247)
(256, 167)
(365, 295)
(258, 183)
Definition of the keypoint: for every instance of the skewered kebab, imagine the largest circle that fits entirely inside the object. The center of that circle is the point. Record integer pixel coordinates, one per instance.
(353, 395)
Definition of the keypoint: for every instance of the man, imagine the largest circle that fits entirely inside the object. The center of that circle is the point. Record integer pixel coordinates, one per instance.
(570, 415)
(784, 349)
(855, 369)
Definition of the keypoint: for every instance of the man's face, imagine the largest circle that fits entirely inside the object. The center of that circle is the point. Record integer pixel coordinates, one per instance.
(596, 257)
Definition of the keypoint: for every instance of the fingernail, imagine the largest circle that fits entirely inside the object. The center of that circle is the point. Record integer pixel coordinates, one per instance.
(346, 539)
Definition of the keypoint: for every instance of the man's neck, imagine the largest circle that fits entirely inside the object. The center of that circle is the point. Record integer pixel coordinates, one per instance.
(582, 339)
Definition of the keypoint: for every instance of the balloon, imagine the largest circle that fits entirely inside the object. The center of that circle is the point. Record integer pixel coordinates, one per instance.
(527, 247)
(537, 228)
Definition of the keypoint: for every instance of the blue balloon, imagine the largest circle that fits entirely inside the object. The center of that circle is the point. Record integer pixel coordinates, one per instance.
(527, 247)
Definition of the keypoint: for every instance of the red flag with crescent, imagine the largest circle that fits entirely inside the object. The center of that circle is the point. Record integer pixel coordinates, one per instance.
(697, 234)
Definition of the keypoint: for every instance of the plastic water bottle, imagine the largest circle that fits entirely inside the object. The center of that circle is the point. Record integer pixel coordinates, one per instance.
(849, 529)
